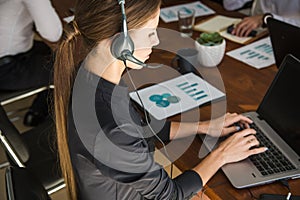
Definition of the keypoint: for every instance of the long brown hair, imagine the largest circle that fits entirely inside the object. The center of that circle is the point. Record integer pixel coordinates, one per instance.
(94, 21)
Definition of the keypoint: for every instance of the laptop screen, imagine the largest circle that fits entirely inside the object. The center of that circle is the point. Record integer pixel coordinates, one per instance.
(284, 38)
(281, 104)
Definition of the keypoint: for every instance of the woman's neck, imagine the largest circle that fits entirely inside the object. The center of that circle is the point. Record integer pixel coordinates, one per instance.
(100, 62)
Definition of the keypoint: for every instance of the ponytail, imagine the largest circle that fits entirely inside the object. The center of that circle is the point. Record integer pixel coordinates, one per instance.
(64, 71)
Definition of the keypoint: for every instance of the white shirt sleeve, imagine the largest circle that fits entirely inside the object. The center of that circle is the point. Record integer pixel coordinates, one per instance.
(287, 11)
(45, 19)
(294, 20)
(234, 4)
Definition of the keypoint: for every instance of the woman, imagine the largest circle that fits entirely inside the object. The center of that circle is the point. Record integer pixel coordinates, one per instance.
(105, 151)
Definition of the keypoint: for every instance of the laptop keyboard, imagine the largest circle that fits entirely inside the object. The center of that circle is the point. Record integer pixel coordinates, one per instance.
(271, 161)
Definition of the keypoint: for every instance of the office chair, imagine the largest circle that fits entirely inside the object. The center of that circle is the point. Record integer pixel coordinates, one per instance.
(22, 185)
(33, 150)
(7, 97)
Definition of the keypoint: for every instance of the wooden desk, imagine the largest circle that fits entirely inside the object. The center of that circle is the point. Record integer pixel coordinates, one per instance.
(245, 87)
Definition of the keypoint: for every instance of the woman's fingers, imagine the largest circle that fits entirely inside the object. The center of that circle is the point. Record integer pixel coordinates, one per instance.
(240, 146)
(245, 132)
(252, 143)
(232, 118)
(229, 130)
(256, 151)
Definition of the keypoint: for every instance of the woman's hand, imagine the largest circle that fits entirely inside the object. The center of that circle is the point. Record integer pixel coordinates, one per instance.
(248, 24)
(235, 148)
(224, 125)
(239, 146)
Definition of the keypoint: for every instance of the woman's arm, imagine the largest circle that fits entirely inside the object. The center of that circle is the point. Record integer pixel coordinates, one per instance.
(217, 127)
(237, 147)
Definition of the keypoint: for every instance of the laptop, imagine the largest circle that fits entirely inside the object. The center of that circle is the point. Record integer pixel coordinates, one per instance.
(284, 39)
(277, 124)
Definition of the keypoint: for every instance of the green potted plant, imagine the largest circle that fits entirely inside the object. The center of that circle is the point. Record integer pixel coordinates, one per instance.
(211, 49)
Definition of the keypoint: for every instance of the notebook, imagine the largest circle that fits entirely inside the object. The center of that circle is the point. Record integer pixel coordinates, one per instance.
(220, 23)
(284, 38)
(277, 124)
(217, 23)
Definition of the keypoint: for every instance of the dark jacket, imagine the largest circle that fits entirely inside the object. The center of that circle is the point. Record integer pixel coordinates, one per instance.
(111, 148)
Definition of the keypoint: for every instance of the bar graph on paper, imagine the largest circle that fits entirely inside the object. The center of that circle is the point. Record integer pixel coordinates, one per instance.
(258, 54)
(176, 95)
(169, 14)
(192, 91)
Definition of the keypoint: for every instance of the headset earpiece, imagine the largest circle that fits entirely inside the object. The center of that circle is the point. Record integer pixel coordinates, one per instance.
(122, 44)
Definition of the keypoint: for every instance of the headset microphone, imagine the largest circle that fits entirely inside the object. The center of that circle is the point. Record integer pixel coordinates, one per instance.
(122, 46)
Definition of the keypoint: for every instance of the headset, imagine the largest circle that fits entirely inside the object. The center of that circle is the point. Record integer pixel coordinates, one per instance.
(122, 46)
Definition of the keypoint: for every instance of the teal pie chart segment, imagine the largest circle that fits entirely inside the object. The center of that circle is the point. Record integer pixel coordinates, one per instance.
(163, 103)
(173, 99)
(155, 98)
(164, 100)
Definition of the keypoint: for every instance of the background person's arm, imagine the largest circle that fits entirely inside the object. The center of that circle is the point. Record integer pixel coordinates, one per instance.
(45, 18)
(248, 24)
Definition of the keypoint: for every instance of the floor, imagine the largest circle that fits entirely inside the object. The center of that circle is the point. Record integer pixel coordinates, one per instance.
(16, 112)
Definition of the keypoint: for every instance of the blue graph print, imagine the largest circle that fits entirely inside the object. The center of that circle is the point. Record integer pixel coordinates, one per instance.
(164, 100)
(191, 90)
(261, 52)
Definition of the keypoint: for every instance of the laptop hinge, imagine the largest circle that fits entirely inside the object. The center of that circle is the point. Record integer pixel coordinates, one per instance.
(260, 117)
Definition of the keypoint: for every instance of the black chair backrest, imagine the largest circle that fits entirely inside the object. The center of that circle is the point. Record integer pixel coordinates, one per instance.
(21, 185)
(13, 139)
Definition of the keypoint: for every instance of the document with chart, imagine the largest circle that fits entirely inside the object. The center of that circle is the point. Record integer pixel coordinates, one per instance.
(176, 95)
(258, 54)
(169, 14)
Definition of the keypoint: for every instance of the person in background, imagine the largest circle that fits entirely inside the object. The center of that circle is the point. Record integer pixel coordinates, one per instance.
(24, 62)
(105, 145)
(236, 4)
(287, 11)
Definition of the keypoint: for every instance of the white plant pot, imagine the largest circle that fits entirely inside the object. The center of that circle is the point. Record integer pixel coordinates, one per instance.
(210, 56)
